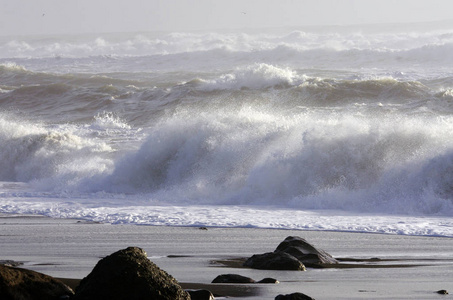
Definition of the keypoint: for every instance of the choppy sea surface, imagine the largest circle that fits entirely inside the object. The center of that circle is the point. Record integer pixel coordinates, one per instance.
(322, 128)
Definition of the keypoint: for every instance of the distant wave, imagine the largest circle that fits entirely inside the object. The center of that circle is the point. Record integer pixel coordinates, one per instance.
(259, 76)
(264, 76)
(172, 43)
(207, 51)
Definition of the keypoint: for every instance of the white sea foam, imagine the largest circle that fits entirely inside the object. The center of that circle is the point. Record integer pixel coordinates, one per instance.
(145, 213)
(108, 121)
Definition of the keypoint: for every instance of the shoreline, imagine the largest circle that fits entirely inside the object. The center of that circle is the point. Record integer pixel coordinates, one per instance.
(409, 267)
(196, 226)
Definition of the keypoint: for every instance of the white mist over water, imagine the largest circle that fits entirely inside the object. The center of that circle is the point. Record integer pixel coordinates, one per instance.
(314, 129)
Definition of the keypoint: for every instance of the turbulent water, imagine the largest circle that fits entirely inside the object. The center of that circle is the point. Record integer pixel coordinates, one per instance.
(337, 128)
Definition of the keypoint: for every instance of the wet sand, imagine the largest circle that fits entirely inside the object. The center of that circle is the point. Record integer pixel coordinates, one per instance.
(406, 267)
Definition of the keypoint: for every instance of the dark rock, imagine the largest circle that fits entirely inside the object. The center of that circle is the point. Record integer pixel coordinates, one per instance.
(129, 274)
(232, 278)
(268, 280)
(294, 253)
(305, 252)
(16, 283)
(442, 292)
(274, 261)
(294, 296)
(201, 295)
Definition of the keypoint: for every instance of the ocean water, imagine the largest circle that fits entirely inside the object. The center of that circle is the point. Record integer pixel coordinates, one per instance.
(321, 128)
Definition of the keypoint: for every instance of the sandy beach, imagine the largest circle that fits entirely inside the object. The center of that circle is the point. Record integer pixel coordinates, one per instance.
(410, 267)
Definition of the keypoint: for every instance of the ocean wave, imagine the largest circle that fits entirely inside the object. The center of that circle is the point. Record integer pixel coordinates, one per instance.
(34, 153)
(55, 101)
(15, 74)
(258, 76)
(11, 66)
(309, 159)
(81, 96)
(112, 127)
(387, 90)
(314, 161)
(286, 87)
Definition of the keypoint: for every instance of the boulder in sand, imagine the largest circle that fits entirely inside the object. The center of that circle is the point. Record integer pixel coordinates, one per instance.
(235, 278)
(129, 274)
(232, 278)
(294, 296)
(294, 253)
(274, 261)
(17, 283)
(305, 252)
(268, 280)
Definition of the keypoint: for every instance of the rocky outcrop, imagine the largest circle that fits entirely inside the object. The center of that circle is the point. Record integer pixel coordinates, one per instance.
(16, 283)
(294, 296)
(274, 261)
(305, 252)
(129, 274)
(294, 253)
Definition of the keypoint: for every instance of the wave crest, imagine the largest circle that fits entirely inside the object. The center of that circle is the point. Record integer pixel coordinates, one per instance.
(258, 76)
(53, 158)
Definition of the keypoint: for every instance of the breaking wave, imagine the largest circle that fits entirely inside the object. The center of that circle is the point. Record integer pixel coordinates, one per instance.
(305, 161)
(56, 158)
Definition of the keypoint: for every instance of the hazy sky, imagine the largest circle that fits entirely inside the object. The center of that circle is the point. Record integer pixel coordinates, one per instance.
(19, 17)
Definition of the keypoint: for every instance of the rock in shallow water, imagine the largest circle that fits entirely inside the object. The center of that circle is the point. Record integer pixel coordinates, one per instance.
(268, 280)
(294, 296)
(16, 283)
(274, 261)
(235, 278)
(305, 252)
(129, 274)
(294, 253)
(232, 278)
